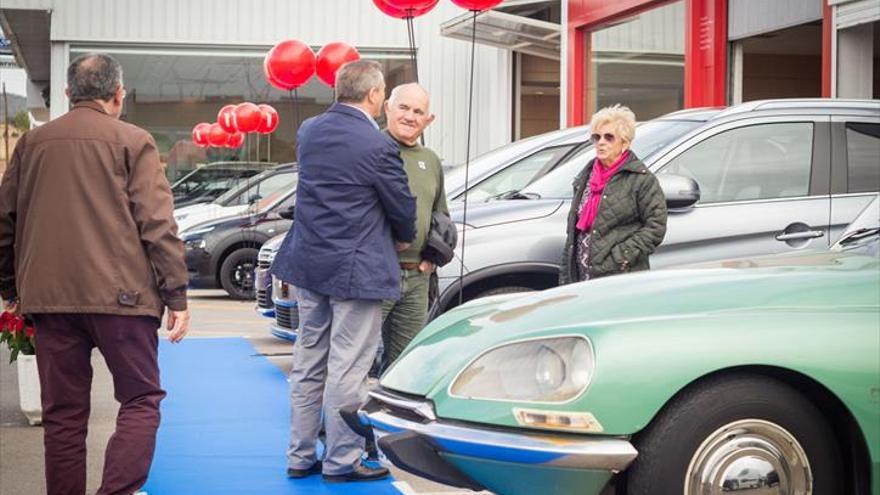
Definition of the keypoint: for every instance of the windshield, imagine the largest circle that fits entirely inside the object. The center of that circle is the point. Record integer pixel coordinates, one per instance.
(213, 178)
(650, 138)
(258, 188)
(863, 234)
(454, 178)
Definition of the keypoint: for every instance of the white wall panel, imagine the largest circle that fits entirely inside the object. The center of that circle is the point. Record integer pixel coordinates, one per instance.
(752, 17)
(443, 62)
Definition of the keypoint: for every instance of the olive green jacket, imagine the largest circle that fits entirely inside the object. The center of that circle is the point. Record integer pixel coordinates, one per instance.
(629, 225)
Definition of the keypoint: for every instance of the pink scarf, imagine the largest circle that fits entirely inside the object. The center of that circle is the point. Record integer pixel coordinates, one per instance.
(599, 178)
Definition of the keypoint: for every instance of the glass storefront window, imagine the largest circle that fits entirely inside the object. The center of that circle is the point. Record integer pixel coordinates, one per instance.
(170, 90)
(639, 62)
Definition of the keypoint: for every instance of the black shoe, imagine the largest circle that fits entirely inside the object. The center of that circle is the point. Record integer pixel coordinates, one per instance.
(302, 473)
(360, 473)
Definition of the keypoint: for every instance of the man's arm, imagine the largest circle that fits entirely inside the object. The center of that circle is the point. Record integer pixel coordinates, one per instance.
(392, 186)
(151, 204)
(8, 213)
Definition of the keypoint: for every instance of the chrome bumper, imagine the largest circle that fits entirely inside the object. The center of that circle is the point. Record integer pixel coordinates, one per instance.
(527, 447)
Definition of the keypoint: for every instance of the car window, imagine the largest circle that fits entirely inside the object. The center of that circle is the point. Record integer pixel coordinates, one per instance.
(863, 157)
(650, 138)
(763, 161)
(517, 175)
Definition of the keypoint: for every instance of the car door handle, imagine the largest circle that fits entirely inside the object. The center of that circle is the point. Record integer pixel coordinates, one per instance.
(809, 234)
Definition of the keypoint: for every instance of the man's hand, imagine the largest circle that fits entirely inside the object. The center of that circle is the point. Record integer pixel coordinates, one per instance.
(426, 267)
(12, 306)
(402, 246)
(177, 324)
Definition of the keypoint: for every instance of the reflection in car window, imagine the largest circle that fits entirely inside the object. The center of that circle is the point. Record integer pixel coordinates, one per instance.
(517, 175)
(764, 161)
(650, 138)
(863, 157)
(261, 189)
(487, 162)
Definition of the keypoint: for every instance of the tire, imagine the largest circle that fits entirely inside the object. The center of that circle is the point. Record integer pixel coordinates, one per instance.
(723, 415)
(237, 273)
(512, 289)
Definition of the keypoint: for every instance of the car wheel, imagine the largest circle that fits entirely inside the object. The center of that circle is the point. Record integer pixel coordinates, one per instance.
(726, 427)
(504, 290)
(237, 273)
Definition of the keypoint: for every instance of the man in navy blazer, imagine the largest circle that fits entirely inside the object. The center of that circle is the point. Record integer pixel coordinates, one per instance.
(354, 211)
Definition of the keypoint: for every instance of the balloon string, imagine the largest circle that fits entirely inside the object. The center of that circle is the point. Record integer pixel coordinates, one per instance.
(467, 157)
(411, 32)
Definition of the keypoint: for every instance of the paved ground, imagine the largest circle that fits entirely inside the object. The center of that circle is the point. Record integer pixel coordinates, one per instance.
(214, 315)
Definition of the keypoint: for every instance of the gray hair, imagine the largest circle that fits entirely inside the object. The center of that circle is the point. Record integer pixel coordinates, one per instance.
(355, 80)
(93, 76)
(622, 118)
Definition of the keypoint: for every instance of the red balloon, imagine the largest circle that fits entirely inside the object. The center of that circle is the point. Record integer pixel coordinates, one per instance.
(217, 137)
(200, 134)
(226, 119)
(290, 64)
(247, 117)
(236, 139)
(409, 4)
(271, 79)
(399, 13)
(269, 122)
(476, 4)
(331, 57)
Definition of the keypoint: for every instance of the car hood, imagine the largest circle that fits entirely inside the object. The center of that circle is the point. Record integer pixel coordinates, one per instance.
(814, 281)
(206, 213)
(503, 211)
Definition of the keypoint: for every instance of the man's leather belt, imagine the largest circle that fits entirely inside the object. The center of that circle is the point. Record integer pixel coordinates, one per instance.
(409, 266)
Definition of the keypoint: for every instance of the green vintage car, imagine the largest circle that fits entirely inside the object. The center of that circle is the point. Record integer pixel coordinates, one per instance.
(757, 376)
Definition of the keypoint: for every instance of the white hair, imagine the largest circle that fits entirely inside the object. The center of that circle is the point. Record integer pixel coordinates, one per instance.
(619, 116)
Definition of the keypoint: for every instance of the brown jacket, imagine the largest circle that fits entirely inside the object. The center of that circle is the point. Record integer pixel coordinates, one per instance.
(86, 221)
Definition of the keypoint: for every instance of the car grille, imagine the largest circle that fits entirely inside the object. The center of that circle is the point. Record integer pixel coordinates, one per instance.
(287, 317)
(264, 298)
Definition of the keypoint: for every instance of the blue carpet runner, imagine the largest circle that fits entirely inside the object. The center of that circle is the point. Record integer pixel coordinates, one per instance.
(225, 426)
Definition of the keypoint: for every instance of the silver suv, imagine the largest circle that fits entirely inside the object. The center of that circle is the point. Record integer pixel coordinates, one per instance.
(774, 176)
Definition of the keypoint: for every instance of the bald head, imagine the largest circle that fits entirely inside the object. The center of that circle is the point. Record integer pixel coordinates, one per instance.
(407, 112)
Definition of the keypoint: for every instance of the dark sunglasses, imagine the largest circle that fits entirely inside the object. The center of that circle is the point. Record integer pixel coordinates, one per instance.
(608, 137)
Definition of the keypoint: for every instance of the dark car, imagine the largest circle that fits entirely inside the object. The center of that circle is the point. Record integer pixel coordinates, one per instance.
(223, 253)
(207, 183)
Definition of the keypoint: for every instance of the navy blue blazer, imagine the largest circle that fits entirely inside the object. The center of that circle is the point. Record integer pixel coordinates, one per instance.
(352, 202)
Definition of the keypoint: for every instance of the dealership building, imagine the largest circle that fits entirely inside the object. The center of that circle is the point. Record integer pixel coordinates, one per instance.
(540, 64)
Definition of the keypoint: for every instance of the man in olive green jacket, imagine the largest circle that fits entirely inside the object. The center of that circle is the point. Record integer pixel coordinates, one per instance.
(408, 114)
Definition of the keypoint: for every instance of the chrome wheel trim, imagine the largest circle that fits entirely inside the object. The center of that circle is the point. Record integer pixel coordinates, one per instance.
(741, 456)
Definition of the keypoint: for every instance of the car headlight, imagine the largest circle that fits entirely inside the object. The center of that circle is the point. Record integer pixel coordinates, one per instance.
(195, 243)
(556, 369)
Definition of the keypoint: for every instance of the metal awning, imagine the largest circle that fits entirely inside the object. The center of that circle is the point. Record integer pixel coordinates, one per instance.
(28, 32)
(508, 31)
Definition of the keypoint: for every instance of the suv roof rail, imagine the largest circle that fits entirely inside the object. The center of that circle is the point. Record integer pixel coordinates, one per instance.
(801, 103)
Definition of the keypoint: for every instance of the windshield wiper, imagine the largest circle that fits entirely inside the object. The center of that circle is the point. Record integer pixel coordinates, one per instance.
(858, 235)
(514, 194)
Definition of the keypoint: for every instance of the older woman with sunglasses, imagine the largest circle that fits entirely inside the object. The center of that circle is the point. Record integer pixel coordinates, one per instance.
(618, 213)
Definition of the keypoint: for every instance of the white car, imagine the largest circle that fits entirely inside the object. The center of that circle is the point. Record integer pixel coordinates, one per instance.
(239, 199)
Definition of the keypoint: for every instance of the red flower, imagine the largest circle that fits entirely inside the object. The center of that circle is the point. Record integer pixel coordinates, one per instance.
(4, 318)
(29, 332)
(17, 325)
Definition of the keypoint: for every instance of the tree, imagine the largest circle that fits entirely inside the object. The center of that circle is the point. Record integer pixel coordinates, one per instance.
(22, 120)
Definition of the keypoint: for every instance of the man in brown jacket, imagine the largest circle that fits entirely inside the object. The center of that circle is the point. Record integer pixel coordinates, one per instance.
(89, 251)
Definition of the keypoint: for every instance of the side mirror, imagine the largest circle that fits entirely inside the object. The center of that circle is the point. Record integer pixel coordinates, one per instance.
(680, 191)
(254, 198)
(287, 214)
